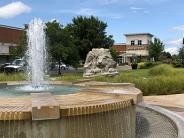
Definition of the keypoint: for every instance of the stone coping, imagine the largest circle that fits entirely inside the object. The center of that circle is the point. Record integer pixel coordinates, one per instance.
(93, 99)
(175, 118)
(69, 105)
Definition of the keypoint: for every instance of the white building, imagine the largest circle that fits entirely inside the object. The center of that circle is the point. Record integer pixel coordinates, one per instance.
(136, 47)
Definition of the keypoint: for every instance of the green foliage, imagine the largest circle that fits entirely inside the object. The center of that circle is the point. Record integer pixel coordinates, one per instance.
(20, 49)
(163, 69)
(181, 55)
(147, 65)
(155, 49)
(61, 47)
(114, 54)
(150, 84)
(88, 33)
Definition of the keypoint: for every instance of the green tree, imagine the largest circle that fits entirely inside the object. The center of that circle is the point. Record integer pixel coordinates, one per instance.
(165, 56)
(21, 48)
(114, 54)
(88, 33)
(181, 55)
(155, 49)
(61, 46)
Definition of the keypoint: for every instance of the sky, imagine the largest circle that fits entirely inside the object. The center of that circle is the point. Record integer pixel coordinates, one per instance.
(162, 18)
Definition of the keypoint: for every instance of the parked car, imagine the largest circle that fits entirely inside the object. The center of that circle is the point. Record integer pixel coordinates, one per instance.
(55, 65)
(2, 66)
(17, 65)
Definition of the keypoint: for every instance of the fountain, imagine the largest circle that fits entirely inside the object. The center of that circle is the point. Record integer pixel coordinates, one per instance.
(36, 52)
(88, 109)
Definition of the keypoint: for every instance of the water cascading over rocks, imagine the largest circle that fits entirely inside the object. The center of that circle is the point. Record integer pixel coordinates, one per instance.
(99, 62)
(36, 52)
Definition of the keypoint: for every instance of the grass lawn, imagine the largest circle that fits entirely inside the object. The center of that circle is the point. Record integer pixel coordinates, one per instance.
(70, 76)
(159, 80)
(13, 77)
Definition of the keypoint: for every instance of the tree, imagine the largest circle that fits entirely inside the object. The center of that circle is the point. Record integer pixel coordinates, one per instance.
(165, 56)
(21, 48)
(88, 33)
(155, 49)
(181, 55)
(61, 44)
(114, 54)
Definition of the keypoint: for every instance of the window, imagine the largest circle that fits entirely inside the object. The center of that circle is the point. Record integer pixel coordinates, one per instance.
(139, 42)
(132, 42)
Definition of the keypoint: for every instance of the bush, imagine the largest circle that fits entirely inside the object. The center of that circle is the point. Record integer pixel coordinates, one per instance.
(177, 65)
(163, 69)
(147, 65)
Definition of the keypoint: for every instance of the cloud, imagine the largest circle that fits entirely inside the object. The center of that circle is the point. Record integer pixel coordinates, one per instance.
(135, 8)
(172, 50)
(177, 42)
(138, 9)
(107, 2)
(179, 28)
(87, 11)
(14, 9)
(90, 11)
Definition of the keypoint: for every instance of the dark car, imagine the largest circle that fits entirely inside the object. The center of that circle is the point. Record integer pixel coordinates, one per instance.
(17, 65)
(2, 66)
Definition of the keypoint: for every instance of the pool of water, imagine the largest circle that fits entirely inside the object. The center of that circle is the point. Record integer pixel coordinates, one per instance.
(25, 90)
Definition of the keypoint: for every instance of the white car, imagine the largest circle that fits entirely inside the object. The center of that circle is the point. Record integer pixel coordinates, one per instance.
(16, 66)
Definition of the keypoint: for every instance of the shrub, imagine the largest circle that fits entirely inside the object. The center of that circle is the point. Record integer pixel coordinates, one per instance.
(163, 69)
(177, 65)
(147, 65)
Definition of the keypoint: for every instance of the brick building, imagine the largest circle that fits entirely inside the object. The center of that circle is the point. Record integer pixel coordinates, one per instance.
(136, 47)
(9, 37)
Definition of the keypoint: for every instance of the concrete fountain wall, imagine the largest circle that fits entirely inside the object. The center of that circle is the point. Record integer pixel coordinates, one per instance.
(94, 112)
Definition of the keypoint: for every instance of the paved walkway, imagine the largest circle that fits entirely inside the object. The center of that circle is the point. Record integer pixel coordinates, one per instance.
(171, 102)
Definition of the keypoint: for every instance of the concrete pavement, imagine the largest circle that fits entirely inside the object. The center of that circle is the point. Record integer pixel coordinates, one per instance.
(173, 103)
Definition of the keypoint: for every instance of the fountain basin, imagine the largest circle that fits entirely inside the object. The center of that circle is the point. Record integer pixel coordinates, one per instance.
(100, 110)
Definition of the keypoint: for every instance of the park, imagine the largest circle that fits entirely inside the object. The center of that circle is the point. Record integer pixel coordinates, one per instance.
(73, 80)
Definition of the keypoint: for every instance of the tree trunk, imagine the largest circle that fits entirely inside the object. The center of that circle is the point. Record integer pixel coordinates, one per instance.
(59, 70)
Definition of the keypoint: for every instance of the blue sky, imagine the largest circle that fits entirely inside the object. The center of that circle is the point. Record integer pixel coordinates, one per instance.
(163, 18)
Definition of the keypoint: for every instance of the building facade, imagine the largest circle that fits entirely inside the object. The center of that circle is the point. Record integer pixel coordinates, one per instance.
(9, 37)
(135, 48)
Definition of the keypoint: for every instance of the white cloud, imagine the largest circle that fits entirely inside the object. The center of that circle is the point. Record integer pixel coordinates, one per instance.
(87, 11)
(90, 11)
(138, 9)
(177, 42)
(179, 28)
(172, 50)
(108, 1)
(13, 9)
(135, 8)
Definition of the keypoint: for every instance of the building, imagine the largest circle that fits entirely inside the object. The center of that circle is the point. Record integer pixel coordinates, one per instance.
(135, 48)
(9, 37)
